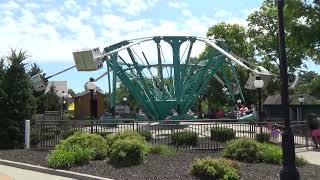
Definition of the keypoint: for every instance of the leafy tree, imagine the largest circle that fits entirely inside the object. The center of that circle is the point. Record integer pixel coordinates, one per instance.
(39, 96)
(302, 41)
(51, 102)
(19, 102)
(2, 92)
(71, 92)
(35, 69)
(235, 39)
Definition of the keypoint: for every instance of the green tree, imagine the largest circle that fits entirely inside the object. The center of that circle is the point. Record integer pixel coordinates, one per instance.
(2, 93)
(71, 92)
(39, 96)
(235, 39)
(19, 102)
(51, 102)
(302, 41)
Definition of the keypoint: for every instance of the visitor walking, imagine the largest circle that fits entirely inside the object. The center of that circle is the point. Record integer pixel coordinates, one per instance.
(314, 125)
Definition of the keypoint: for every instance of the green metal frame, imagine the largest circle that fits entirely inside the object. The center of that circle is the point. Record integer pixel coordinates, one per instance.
(158, 95)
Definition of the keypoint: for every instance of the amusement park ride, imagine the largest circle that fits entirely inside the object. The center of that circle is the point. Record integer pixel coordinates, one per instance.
(164, 76)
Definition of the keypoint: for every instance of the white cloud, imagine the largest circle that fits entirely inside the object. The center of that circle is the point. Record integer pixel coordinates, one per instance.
(221, 13)
(11, 5)
(177, 4)
(32, 5)
(133, 7)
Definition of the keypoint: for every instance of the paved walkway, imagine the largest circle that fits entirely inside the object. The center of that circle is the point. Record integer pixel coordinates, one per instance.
(12, 173)
(313, 157)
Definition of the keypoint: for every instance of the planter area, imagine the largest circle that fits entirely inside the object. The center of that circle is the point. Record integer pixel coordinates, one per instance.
(127, 155)
(159, 167)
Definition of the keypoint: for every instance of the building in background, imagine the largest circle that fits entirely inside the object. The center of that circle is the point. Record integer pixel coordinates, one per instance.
(60, 87)
(82, 105)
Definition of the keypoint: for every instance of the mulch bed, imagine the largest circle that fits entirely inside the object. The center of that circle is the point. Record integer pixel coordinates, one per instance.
(159, 167)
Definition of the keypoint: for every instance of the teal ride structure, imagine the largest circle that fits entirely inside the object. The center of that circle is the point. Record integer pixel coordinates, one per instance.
(162, 73)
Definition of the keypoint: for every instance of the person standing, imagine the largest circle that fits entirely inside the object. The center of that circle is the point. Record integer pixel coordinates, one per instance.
(314, 125)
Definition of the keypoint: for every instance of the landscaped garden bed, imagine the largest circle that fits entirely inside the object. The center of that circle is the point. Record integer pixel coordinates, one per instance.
(159, 167)
(127, 155)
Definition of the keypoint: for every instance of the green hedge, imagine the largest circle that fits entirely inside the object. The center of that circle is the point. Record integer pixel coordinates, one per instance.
(209, 168)
(222, 134)
(249, 150)
(184, 138)
(263, 137)
(128, 152)
(127, 134)
(77, 149)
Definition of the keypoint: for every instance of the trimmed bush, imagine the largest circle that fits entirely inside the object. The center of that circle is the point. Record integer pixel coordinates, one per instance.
(246, 150)
(222, 134)
(147, 134)
(63, 157)
(263, 137)
(68, 133)
(185, 138)
(209, 168)
(127, 152)
(97, 144)
(163, 150)
(127, 134)
(272, 154)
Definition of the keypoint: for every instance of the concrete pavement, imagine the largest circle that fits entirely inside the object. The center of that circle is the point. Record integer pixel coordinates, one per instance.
(313, 157)
(12, 173)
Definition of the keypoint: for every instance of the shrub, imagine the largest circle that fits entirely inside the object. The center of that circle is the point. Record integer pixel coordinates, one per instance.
(127, 134)
(209, 168)
(146, 134)
(185, 138)
(273, 154)
(263, 137)
(243, 149)
(248, 150)
(163, 150)
(62, 156)
(68, 133)
(127, 152)
(222, 134)
(97, 144)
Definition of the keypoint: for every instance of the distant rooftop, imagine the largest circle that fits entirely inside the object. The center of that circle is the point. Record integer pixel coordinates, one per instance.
(59, 85)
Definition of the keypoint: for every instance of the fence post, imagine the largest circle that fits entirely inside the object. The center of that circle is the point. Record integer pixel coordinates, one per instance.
(27, 134)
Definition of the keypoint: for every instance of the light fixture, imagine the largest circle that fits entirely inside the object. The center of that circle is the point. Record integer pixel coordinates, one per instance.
(239, 101)
(258, 83)
(125, 99)
(301, 99)
(91, 85)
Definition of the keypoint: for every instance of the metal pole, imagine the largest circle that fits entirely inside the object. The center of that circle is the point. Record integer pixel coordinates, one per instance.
(91, 110)
(288, 170)
(27, 135)
(260, 109)
(62, 107)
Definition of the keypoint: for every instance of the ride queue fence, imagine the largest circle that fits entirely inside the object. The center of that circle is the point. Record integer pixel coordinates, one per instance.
(48, 133)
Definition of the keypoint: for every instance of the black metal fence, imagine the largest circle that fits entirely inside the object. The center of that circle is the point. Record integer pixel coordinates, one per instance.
(46, 134)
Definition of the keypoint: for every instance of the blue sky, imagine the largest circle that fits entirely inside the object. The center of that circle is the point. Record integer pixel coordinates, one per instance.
(49, 30)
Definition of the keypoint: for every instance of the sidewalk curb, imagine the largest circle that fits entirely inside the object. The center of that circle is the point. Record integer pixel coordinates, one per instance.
(50, 171)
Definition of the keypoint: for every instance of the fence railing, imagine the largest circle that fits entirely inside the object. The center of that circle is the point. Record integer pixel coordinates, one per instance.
(46, 134)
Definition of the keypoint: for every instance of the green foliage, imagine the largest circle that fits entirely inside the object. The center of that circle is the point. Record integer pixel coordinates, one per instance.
(222, 134)
(163, 150)
(127, 134)
(97, 144)
(273, 154)
(16, 100)
(209, 168)
(246, 150)
(263, 137)
(147, 134)
(51, 102)
(184, 138)
(66, 156)
(128, 152)
(78, 149)
(300, 40)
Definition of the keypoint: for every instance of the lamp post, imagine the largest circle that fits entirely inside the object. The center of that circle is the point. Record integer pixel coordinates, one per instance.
(301, 100)
(288, 170)
(239, 101)
(258, 84)
(64, 94)
(125, 99)
(91, 86)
